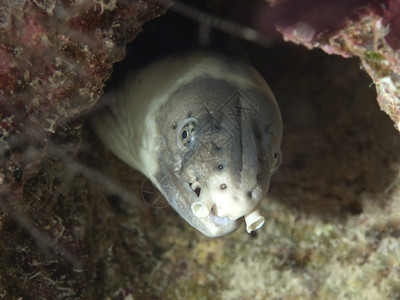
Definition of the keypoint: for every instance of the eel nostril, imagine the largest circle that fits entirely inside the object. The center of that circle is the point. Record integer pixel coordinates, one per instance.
(250, 194)
(222, 186)
(215, 209)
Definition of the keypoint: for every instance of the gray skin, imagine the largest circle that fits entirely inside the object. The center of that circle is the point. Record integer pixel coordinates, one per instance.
(200, 120)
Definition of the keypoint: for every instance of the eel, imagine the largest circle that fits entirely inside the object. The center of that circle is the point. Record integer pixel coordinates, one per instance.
(205, 129)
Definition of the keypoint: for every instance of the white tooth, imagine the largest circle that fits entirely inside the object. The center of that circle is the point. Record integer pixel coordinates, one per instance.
(202, 208)
(254, 220)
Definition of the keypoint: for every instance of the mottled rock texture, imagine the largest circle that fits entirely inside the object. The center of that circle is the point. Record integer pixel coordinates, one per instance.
(73, 224)
(55, 57)
(368, 29)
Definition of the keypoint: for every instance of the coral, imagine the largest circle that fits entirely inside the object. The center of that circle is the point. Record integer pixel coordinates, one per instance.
(367, 29)
(73, 224)
(55, 57)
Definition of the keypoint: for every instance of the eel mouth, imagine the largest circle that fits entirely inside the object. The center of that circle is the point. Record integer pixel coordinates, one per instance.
(181, 194)
(205, 207)
(202, 211)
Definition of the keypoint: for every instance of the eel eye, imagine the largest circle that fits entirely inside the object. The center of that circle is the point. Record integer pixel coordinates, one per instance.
(276, 160)
(187, 132)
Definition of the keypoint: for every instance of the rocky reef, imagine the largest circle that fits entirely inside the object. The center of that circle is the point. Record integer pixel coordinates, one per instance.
(55, 57)
(368, 29)
(74, 224)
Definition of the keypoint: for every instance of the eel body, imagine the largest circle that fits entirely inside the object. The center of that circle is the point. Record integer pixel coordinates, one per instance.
(205, 129)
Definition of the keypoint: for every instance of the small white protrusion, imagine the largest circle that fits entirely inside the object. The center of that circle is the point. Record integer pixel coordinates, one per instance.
(201, 209)
(254, 220)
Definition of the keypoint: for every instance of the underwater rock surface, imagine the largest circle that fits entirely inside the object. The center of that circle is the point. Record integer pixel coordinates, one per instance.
(368, 29)
(54, 59)
(55, 56)
(74, 225)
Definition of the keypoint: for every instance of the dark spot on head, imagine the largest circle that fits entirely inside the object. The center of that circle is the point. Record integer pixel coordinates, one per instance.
(222, 186)
(275, 155)
(184, 134)
(190, 114)
(218, 148)
(174, 126)
(220, 166)
(197, 178)
(258, 176)
(250, 194)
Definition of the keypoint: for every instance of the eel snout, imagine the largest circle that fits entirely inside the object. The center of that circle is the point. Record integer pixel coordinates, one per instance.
(231, 206)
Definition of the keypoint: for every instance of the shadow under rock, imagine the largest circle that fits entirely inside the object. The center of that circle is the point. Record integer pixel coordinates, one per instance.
(338, 147)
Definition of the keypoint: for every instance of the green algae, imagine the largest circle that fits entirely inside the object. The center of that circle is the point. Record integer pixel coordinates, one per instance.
(372, 55)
